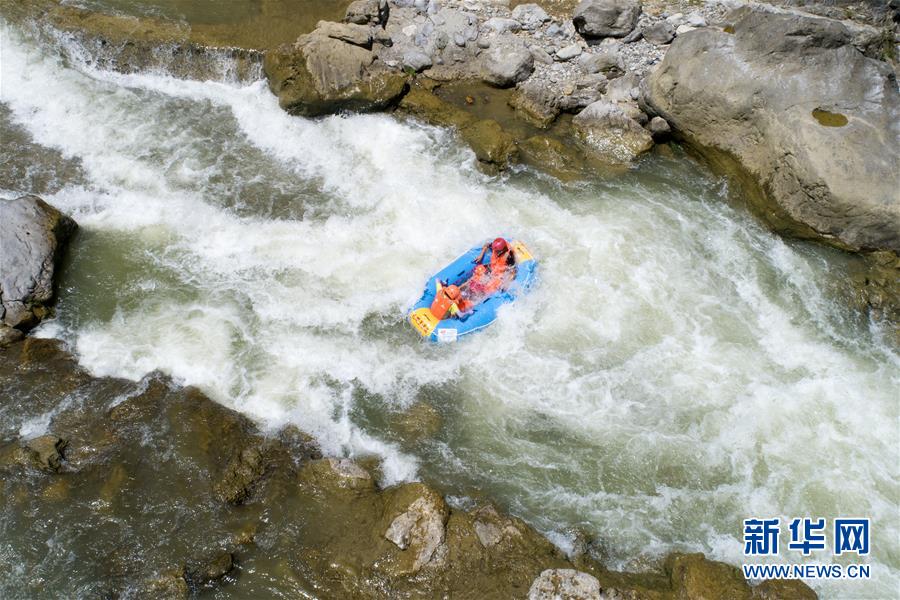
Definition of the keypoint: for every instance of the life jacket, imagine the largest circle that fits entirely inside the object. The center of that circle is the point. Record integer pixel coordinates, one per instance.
(443, 306)
(499, 263)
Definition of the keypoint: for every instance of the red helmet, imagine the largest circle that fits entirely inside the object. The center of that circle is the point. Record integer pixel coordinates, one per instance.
(452, 292)
(499, 245)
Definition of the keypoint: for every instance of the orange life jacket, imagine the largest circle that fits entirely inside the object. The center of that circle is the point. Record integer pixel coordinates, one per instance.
(443, 306)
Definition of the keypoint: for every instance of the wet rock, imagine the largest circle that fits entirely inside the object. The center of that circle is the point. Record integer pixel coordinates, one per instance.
(609, 134)
(875, 284)
(210, 571)
(492, 528)
(552, 156)
(321, 75)
(659, 33)
(367, 12)
(241, 475)
(507, 62)
(423, 104)
(337, 474)
(693, 576)
(531, 16)
(789, 103)
(9, 335)
(606, 18)
(494, 148)
(33, 237)
(419, 529)
(564, 583)
(536, 103)
(44, 453)
(168, 586)
(783, 589)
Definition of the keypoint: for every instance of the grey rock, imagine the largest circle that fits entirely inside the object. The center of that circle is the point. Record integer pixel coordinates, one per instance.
(33, 237)
(358, 35)
(683, 29)
(695, 19)
(606, 18)
(570, 584)
(507, 62)
(606, 61)
(502, 25)
(659, 128)
(416, 60)
(660, 33)
(420, 529)
(809, 117)
(541, 55)
(569, 52)
(536, 103)
(623, 89)
(531, 16)
(610, 134)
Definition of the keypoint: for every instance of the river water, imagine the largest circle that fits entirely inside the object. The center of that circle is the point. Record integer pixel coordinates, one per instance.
(677, 369)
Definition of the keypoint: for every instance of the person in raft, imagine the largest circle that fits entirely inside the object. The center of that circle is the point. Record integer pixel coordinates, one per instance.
(502, 266)
(446, 302)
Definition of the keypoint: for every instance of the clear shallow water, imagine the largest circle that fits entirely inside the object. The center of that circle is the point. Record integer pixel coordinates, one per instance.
(677, 370)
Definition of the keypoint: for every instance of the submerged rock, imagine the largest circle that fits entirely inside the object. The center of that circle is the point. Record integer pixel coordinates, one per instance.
(43, 453)
(493, 147)
(790, 103)
(606, 18)
(33, 237)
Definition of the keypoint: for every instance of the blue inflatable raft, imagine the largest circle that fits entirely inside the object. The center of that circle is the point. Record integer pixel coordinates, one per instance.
(481, 315)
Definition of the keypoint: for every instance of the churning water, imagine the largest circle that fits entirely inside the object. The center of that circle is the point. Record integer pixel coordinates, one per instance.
(677, 369)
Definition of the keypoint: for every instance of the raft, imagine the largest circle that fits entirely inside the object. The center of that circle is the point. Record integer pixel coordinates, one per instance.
(483, 314)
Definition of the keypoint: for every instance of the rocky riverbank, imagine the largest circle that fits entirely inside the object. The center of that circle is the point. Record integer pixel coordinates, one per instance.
(157, 491)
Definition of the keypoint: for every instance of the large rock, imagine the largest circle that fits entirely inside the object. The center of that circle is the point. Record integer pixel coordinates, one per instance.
(322, 73)
(419, 530)
(609, 134)
(564, 583)
(693, 576)
(507, 62)
(812, 121)
(606, 18)
(33, 236)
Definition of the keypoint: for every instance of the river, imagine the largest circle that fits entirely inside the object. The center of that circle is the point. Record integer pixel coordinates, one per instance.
(677, 369)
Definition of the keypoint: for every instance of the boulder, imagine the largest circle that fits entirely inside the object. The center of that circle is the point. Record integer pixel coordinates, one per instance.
(564, 583)
(606, 18)
(607, 61)
(531, 16)
(553, 157)
(609, 134)
(536, 103)
(420, 527)
(659, 33)
(33, 237)
(367, 12)
(358, 35)
(321, 74)
(584, 92)
(494, 148)
(9, 335)
(43, 453)
(507, 62)
(792, 106)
